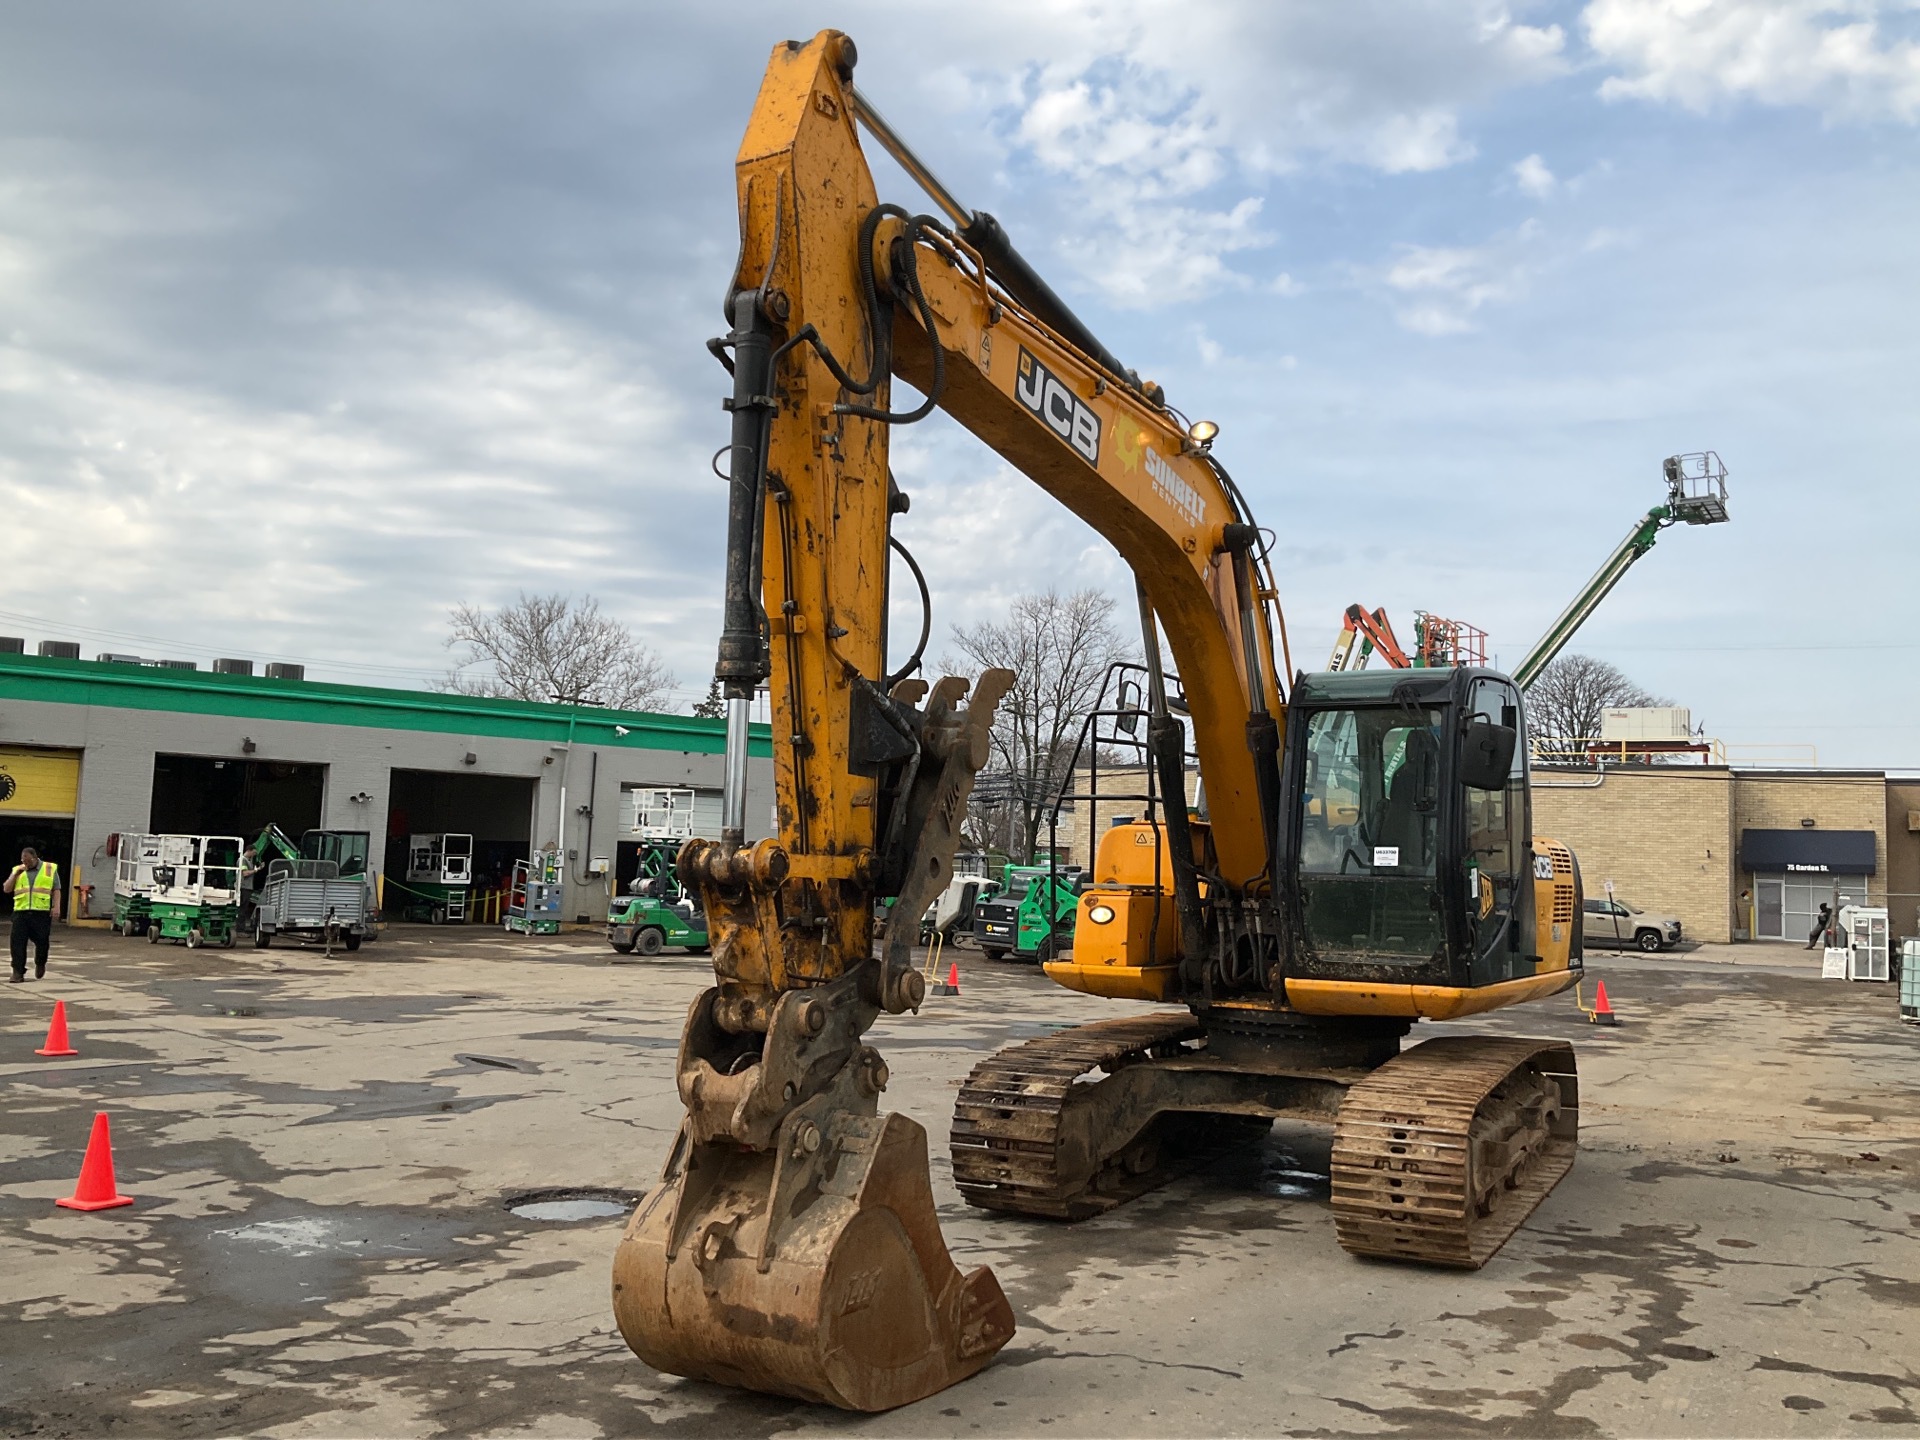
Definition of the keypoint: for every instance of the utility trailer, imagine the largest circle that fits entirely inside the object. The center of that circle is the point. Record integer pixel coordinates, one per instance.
(351, 850)
(304, 897)
(196, 890)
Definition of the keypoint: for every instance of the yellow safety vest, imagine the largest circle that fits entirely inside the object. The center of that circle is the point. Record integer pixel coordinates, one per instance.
(35, 891)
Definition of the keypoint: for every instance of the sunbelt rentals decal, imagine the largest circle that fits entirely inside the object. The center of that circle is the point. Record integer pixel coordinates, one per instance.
(1167, 482)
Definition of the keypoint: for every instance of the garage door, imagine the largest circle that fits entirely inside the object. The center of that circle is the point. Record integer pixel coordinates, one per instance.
(38, 782)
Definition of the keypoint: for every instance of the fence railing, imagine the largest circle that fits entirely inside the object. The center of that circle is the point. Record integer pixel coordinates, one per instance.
(1592, 751)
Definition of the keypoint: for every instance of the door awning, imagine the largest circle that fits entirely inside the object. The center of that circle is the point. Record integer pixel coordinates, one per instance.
(1809, 852)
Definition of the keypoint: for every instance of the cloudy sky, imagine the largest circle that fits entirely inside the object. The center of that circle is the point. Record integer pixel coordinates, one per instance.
(318, 320)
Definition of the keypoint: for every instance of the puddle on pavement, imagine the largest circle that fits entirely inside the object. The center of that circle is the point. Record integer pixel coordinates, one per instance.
(562, 1211)
(307, 1235)
(1280, 1174)
(239, 1012)
(569, 1205)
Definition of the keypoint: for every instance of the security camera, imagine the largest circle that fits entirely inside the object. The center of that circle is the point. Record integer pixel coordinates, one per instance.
(621, 730)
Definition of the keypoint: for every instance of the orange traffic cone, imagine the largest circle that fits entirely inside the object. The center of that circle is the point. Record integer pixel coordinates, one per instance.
(57, 1043)
(1602, 1012)
(950, 985)
(96, 1190)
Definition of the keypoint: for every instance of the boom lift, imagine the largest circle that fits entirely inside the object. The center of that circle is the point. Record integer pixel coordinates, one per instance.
(1438, 643)
(1365, 859)
(1362, 633)
(1696, 495)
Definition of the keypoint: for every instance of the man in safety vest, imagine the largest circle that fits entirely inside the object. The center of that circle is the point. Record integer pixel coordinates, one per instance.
(35, 888)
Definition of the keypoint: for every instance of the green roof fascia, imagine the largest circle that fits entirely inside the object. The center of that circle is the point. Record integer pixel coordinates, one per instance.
(201, 692)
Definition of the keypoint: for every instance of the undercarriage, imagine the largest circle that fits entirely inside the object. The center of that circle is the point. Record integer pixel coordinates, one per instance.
(1439, 1151)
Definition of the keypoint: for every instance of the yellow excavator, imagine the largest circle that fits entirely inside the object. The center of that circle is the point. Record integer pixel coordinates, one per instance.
(1362, 860)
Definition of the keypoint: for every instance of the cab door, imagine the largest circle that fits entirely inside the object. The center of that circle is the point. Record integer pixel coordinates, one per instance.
(1499, 850)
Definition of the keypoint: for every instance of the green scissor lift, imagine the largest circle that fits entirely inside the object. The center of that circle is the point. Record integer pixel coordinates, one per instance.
(195, 898)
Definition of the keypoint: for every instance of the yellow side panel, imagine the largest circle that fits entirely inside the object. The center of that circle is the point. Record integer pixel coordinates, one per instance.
(39, 782)
(1421, 1002)
(1553, 901)
(1126, 856)
(1111, 958)
(1115, 982)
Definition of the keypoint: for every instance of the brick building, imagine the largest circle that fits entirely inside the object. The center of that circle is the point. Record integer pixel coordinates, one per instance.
(1739, 853)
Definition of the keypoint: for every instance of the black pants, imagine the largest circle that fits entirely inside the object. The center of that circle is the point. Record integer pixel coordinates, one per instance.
(37, 926)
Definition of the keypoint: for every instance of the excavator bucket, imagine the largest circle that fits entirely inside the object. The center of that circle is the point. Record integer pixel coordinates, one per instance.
(792, 1245)
(816, 1270)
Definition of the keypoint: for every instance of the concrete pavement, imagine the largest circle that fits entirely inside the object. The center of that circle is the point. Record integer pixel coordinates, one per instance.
(320, 1149)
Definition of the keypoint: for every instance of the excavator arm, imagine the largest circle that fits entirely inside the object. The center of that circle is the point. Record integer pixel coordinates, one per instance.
(791, 1245)
(267, 843)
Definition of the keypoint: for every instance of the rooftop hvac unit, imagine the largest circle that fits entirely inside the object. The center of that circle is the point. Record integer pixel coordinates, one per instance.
(12, 645)
(1646, 723)
(280, 670)
(115, 658)
(233, 667)
(178, 664)
(60, 649)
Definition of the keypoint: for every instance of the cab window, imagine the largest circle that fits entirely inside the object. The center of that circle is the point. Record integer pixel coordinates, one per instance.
(1373, 792)
(1496, 819)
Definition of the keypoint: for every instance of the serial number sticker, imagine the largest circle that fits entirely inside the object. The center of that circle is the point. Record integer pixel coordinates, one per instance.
(1385, 856)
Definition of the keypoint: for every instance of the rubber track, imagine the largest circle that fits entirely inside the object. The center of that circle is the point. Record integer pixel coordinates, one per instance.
(1402, 1151)
(1006, 1122)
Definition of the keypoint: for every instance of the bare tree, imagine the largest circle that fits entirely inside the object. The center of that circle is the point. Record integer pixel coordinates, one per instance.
(1058, 649)
(553, 647)
(1570, 697)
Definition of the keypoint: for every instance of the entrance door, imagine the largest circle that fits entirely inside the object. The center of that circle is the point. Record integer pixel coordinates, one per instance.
(1804, 895)
(1770, 903)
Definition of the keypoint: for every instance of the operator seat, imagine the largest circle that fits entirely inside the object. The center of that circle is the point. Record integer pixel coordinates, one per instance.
(1413, 798)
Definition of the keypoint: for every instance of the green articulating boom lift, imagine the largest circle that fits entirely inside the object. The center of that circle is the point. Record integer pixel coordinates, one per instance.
(1696, 495)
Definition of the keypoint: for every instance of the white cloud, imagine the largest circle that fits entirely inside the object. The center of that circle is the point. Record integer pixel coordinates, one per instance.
(1438, 290)
(449, 463)
(1403, 144)
(1533, 177)
(1165, 109)
(1835, 56)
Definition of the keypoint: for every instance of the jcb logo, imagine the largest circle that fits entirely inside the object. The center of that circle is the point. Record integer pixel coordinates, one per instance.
(1066, 414)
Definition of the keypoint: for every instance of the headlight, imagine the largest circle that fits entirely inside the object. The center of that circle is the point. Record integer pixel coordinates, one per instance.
(1100, 914)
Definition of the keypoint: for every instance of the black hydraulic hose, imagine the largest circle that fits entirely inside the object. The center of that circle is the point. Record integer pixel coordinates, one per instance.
(880, 318)
(1166, 744)
(879, 312)
(926, 616)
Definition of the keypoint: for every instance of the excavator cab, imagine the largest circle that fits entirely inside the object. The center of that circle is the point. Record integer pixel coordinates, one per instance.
(1409, 829)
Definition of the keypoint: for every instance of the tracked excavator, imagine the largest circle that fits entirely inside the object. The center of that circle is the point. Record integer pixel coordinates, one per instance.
(1363, 859)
